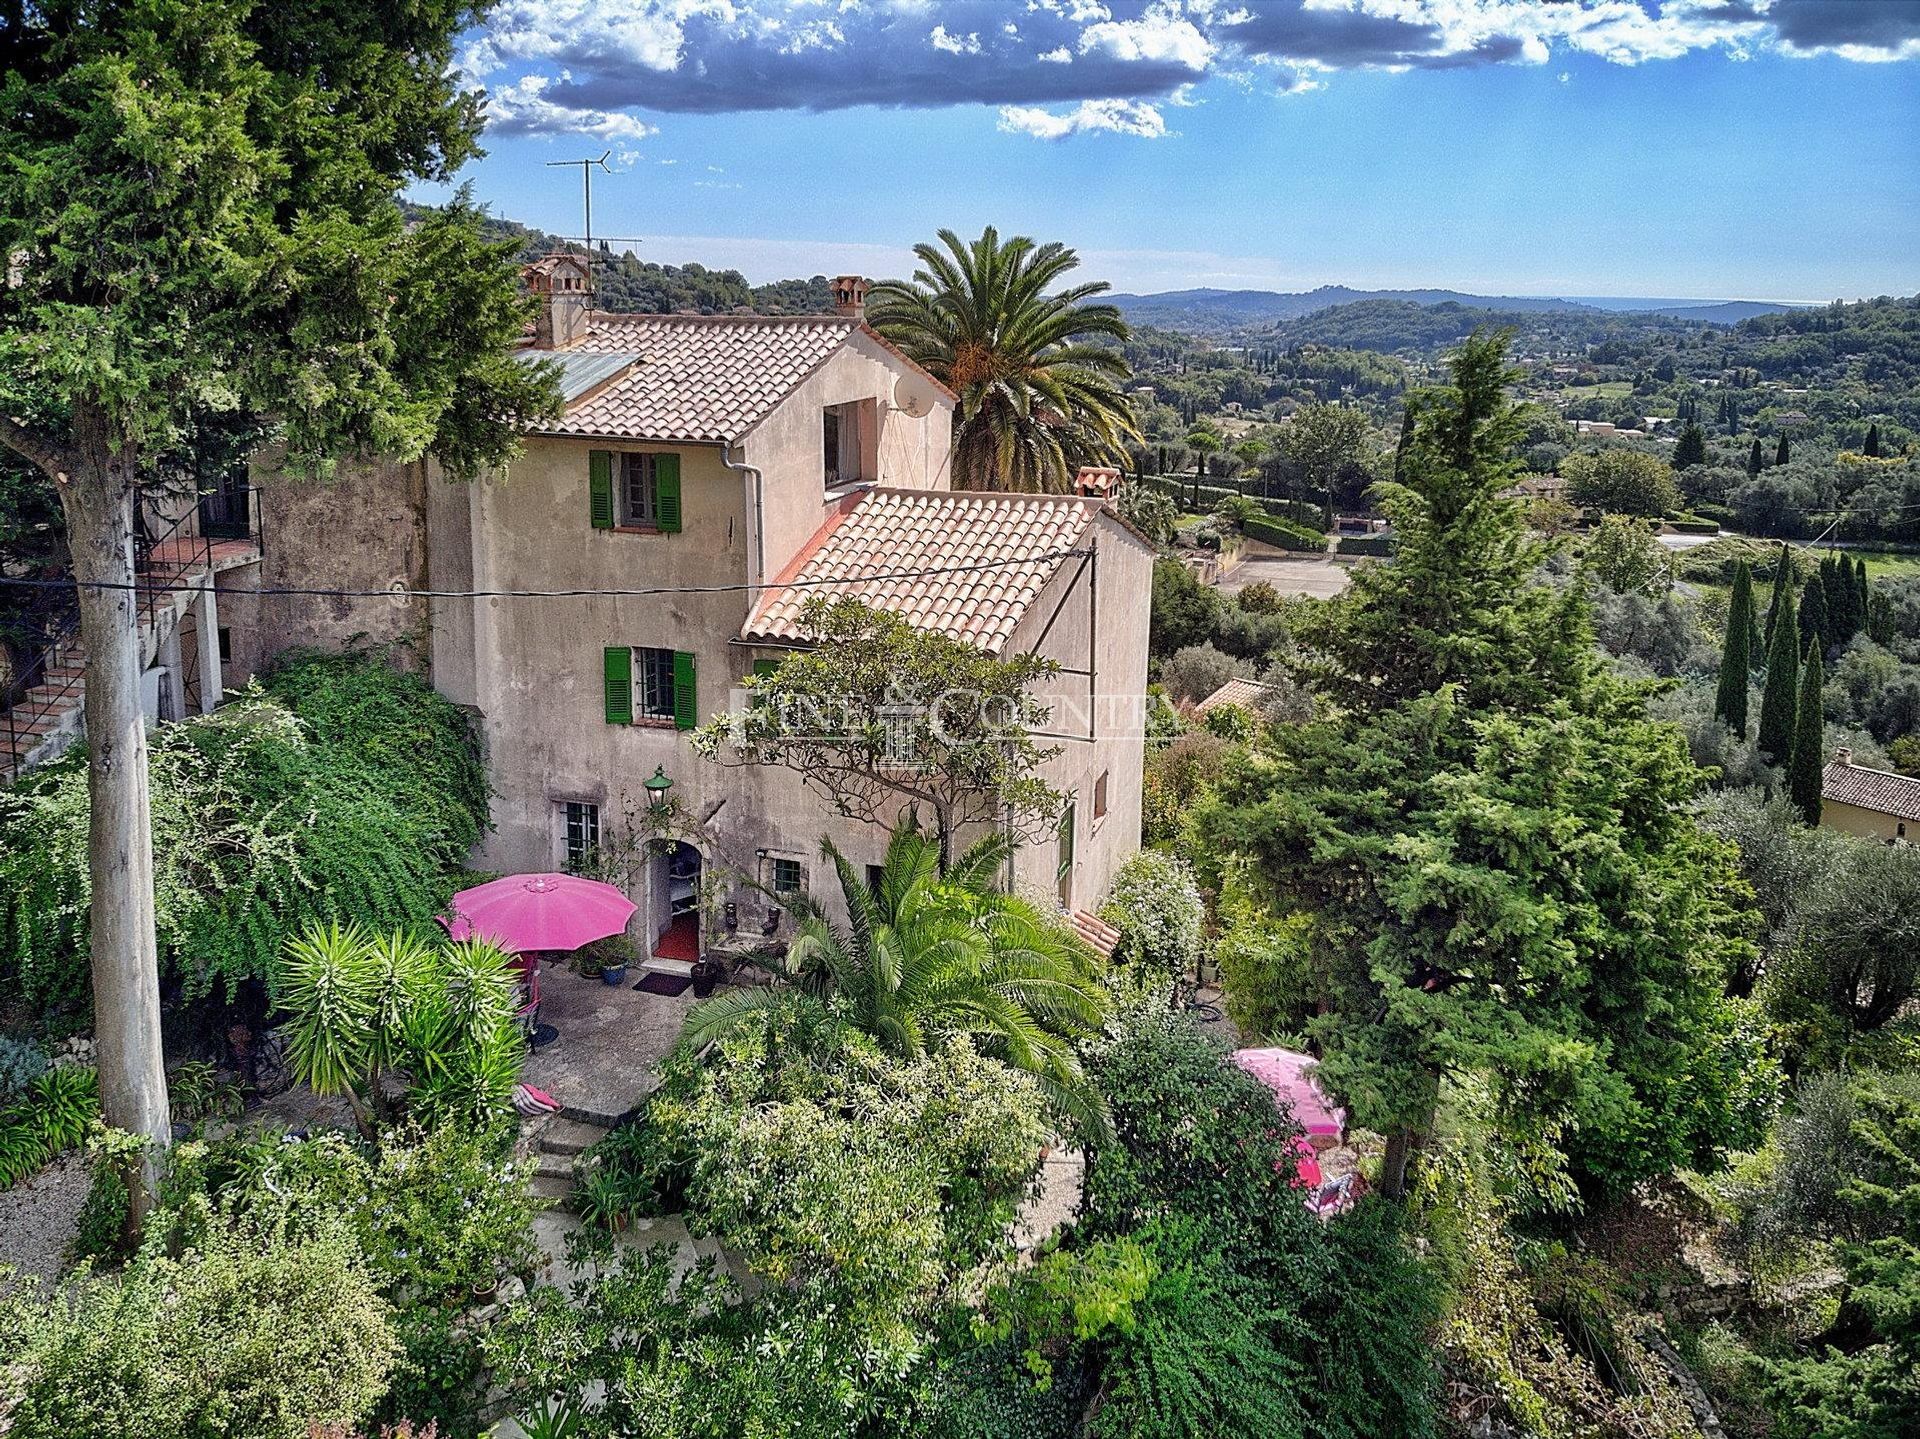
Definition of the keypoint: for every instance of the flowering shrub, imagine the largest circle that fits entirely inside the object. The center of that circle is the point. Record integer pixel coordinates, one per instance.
(1155, 904)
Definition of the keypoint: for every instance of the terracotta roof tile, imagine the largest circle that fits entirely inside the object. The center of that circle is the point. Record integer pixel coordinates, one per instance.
(1096, 932)
(1018, 540)
(696, 377)
(1247, 693)
(1874, 789)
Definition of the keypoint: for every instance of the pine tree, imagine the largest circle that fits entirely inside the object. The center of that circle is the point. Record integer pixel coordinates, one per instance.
(1754, 461)
(1816, 624)
(1782, 578)
(1872, 448)
(1692, 449)
(1780, 455)
(1781, 693)
(1809, 744)
(1730, 701)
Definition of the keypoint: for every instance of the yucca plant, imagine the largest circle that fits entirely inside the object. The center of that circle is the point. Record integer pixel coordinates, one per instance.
(363, 1008)
(925, 956)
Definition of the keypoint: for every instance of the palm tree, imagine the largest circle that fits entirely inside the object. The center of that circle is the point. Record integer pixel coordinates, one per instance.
(926, 956)
(1039, 397)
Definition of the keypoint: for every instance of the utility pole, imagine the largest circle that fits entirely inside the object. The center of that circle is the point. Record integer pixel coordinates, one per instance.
(586, 193)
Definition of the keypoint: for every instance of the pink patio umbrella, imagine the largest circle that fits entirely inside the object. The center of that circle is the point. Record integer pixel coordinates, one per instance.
(526, 912)
(1285, 1072)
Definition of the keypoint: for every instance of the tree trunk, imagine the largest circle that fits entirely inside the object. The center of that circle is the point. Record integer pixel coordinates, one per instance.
(98, 498)
(1393, 1166)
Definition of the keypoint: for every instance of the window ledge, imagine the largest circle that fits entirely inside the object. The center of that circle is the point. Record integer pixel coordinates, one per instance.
(852, 487)
(652, 722)
(638, 530)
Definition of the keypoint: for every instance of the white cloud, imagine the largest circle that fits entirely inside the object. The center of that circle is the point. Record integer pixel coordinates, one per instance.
(1161, 33)
(968, 44)
(523, 109)
(1059, 55)
(1119, 117)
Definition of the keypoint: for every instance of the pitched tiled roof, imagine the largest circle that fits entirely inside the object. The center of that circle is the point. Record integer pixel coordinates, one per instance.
(1247, 693)
(1096, 932)
(695, 377)
(1873, 789)
(1000, 551)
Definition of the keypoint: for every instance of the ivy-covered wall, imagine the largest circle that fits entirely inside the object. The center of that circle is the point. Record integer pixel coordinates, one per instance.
(333, 787)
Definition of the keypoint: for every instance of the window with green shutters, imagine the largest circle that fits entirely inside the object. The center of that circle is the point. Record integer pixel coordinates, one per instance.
(649, 685)
(633, 491)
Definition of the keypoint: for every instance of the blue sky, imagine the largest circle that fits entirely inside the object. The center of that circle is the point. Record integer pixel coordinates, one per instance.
(1685, 148)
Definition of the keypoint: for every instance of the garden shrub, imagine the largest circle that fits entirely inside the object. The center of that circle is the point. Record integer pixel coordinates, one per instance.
(1283, 534)
(1266, 969)
(49, 1118)
(1365, 545)
(337, 788)
(1196, 671)
(1155, 904)
(21, 1062)
(246, 1336)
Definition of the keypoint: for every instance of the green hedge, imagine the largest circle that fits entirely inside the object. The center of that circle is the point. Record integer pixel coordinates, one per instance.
(1365, 545)
(336, 787)
(1285, 535)
(1692, 525)
(1298, 511)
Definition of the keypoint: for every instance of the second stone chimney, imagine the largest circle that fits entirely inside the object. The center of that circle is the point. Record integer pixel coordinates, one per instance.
(564, 287)
(1843, 756)
(850, 296)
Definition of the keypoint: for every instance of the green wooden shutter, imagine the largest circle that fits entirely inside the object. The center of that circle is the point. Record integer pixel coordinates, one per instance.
(617, 667)
(600, 488)
(666, 502)
(685, 710)
(1066, 843)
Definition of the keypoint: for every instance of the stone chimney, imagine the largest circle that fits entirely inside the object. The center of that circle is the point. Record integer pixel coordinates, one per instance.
(850, 296)
(1843, 756)
(564, 287)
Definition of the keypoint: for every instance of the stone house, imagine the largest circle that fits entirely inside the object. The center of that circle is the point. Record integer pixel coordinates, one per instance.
(729, 467)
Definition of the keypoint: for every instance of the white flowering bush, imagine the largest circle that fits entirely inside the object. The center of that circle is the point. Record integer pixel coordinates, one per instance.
(1155, 904)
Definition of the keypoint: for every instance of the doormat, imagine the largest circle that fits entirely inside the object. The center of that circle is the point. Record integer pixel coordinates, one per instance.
(668, 985)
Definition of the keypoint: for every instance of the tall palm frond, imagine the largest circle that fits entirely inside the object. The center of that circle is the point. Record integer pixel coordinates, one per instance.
(1039, 394)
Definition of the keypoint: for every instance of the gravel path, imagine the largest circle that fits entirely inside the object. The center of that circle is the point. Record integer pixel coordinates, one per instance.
(37, 1217)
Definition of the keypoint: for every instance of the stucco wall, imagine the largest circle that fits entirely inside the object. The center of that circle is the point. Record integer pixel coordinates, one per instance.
(788, 445)
(1867, 823)
(365, 529)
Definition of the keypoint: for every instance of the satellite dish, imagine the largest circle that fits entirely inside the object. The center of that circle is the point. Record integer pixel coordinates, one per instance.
(914, 394)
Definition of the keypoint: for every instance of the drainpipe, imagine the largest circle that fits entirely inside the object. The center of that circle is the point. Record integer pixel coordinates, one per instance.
(759, 556)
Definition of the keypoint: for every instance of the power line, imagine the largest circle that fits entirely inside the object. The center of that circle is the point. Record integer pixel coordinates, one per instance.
(648, 592)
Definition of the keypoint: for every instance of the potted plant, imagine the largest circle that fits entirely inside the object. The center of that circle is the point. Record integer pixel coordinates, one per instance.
(706, 974)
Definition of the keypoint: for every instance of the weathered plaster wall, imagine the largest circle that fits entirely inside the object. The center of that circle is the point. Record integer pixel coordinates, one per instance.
(1867, 823)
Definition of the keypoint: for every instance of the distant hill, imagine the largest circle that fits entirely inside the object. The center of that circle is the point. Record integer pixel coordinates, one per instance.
(1214, 311)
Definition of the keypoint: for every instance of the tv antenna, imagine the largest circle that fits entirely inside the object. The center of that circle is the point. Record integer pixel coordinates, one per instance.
(586, 191)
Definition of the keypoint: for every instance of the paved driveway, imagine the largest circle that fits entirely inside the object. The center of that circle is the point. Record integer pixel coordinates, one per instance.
(1318, 579)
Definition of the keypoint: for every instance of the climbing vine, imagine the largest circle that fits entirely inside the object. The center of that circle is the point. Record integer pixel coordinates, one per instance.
(334, 787)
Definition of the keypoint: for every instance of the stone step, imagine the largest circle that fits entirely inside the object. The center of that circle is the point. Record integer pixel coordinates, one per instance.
(654, 964)
(556, 1167)
(568, 1136)
(558, 1190)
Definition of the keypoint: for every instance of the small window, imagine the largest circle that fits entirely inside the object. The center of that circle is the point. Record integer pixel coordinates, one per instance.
(1063, 870)
(653, 683)
(786, 876)
(639, 491)
(226, 645)
(579, 832)
(1100, 796)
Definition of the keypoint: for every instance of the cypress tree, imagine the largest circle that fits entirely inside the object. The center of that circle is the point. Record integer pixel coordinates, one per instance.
(1862, 605)
(1754, 462)
(1809, 744)
(1756, 641)
(1730, 700)
(1782, 577)
(1816, 625)
(1692, 449)
(1872, 447)
(1781, 454)
(1781, 694)
(1842, 612)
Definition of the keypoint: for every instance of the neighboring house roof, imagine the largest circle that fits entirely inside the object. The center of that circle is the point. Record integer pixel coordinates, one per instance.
(1017, 542)
(1845, 782)
(703, 378)
(1247, 693)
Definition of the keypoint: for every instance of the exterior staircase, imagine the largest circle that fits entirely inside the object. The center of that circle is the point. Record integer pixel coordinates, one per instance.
(560, 1141)
(48, 717)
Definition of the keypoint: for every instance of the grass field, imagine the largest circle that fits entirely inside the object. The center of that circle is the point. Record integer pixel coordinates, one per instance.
(1883, 565)
(1609, 390)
